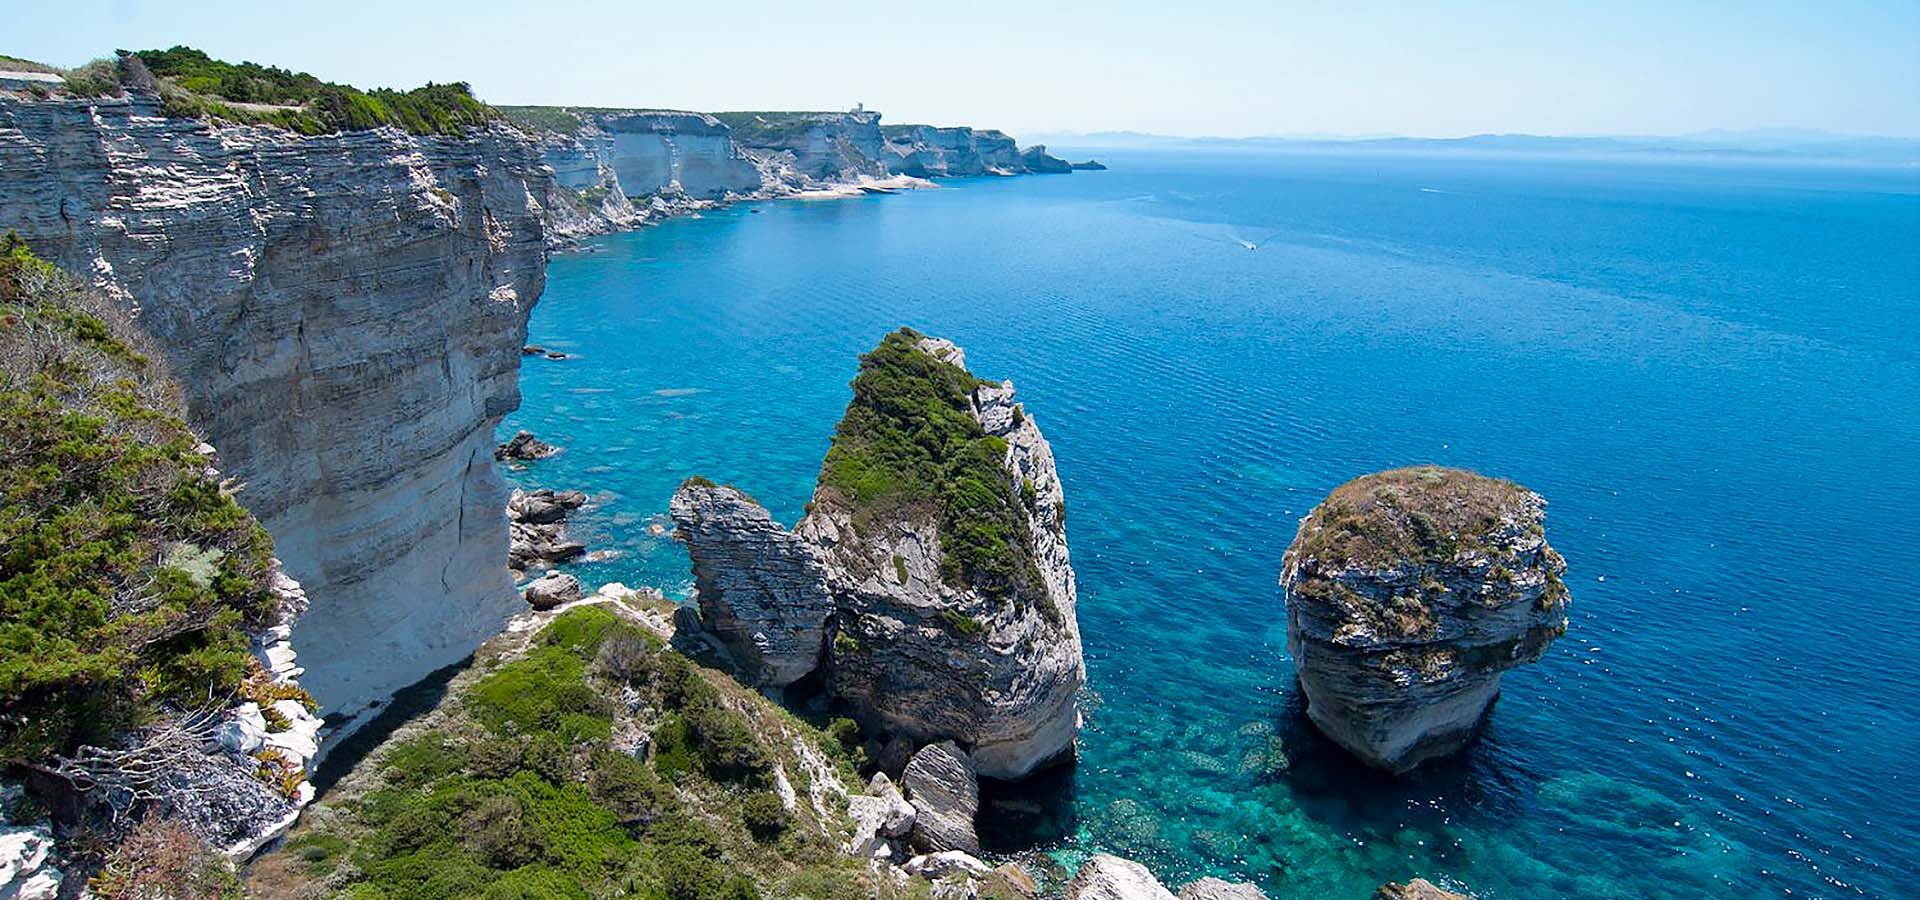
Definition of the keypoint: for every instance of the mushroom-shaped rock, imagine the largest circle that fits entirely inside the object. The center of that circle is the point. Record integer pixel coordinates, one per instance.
(1417, 889)
(761, 589)
(1408, 593)
(1218, 889)
(946, 796)
(1105, 877)
(551, 590)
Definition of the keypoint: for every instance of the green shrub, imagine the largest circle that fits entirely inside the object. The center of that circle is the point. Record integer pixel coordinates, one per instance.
(420, 759)
(763, 815)
(544, 692)
(100, 488)
(909, 440)
(580, 629)
(194, 85)
(961, 623)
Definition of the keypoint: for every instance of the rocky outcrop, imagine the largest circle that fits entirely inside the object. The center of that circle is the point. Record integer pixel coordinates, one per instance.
(931, 637)
(929, 659)
(926, 151)
(1105, 877)
(551, 590)
(1408, 593)
(1035, 159)
(1091, 165)
(882, 819)
(318, 297)
(761, 589)
(1417, 889)
(525, 447)
(537, 529)
(946, 796)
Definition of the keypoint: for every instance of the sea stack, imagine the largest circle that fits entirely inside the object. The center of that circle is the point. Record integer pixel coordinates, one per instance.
(1408, 593)
(934, 545)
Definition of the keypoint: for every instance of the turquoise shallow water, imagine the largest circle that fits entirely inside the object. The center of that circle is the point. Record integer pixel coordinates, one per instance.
(1713, 374)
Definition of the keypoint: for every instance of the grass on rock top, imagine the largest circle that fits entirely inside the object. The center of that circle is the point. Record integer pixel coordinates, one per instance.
(1420, 513)
(909, 442)
(128, 578)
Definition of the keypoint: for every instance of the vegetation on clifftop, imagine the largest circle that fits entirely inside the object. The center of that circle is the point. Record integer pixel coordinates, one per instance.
(909, 441)
(193, 85)
(586, 761)
(128, 577)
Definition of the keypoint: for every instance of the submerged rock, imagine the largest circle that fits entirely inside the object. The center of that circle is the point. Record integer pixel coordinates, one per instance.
(524, 446)
(1105, 877)
(1408, 593)
(1417, 889)
(945, 794)
(761, 589)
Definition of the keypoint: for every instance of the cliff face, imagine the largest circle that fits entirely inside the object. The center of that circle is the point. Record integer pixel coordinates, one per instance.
(947, 579)
(1408, 593)
(346, 313)
(925, 151)
(646, 152)
(813, 147)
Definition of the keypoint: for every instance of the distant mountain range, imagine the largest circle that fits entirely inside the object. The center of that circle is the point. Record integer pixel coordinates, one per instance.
(1756, 143)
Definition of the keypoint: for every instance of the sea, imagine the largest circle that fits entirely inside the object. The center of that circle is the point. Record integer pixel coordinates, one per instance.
(1710, 369)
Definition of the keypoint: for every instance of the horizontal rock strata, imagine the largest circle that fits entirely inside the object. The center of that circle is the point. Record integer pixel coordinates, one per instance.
(1408, 593)
(345, 312)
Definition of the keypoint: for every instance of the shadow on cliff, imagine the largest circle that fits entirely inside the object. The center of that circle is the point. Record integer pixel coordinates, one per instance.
(1332, 787)
(409, 702)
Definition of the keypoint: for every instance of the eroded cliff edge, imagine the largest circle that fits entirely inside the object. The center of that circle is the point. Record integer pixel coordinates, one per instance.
(345, 312)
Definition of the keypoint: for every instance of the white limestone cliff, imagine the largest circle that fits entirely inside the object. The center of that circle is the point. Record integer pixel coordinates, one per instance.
(345, 312)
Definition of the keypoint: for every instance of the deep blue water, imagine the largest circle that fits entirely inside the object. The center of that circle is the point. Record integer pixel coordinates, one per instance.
(1712, 373)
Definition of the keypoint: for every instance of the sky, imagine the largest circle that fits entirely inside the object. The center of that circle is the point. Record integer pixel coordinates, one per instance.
(1201, 67)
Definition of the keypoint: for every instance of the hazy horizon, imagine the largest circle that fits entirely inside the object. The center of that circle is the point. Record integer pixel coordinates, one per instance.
(1224, 69)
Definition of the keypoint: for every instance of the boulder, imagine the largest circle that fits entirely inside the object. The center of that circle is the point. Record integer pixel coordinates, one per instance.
(940, 782)
(868, 840)
(524, 446)
(1417, 889)
(761, 589)
(1105, 877)
(1010, 881)
(946, 862)
(900, 813)
(551, 590)
(1408, 593)
(1218, 889)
